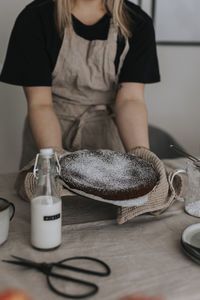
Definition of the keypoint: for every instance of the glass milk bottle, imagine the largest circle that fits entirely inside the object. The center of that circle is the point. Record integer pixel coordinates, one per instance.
(46, 204)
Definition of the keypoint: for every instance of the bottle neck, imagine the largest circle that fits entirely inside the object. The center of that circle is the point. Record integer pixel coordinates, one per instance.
(46, 172)
(46, 163)
(47, 166)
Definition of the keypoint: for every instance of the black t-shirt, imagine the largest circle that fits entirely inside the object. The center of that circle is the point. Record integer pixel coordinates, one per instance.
(35, 44)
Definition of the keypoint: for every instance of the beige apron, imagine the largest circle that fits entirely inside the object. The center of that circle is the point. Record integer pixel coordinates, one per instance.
(84, 88)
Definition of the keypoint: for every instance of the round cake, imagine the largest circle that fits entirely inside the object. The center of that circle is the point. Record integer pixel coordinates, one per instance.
(108, 174)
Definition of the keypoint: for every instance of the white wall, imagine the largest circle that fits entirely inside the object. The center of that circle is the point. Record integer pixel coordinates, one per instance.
(173, 104)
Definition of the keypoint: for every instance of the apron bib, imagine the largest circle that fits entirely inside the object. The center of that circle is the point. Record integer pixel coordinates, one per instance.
(84, 87)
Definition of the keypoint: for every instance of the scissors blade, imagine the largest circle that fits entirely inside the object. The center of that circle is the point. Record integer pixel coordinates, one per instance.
(23, 259)
(22, 262)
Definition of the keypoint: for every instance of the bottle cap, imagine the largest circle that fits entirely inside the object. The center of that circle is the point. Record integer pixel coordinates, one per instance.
(46, 151)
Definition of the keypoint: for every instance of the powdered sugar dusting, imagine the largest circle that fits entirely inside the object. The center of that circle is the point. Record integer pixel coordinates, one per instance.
(106, 170)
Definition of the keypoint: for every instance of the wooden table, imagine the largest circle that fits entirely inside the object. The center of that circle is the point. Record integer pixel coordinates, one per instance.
(144, 254)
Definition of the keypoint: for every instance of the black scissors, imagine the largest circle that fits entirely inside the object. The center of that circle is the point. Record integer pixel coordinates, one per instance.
(47, 269)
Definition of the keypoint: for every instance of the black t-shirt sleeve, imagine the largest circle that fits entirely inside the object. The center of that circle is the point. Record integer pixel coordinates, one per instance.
(141, 62)
(27, 62)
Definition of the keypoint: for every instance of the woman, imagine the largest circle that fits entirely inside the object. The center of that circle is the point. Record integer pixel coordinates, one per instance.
(83, 65)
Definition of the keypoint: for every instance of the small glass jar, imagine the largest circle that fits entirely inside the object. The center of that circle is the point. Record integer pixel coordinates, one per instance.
(192, 197)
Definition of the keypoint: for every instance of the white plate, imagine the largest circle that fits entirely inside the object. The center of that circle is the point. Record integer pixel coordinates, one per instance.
(123, 203)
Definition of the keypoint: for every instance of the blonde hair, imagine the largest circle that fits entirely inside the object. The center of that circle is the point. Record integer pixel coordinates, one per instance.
(117, 9)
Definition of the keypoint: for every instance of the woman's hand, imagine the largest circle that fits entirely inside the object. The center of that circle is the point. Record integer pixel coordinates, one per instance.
(44, 124)
(131, 115)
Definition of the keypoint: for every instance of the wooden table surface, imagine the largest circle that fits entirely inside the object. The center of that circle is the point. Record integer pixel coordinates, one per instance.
(144, 254)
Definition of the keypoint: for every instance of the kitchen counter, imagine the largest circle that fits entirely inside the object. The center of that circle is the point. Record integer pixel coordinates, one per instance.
(144, 254)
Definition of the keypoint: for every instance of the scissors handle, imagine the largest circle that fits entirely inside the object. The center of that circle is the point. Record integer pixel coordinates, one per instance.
(106, 271)
(93, 291)
(61, 264)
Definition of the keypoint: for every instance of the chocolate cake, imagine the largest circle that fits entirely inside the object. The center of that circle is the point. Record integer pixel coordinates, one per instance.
(108, 174)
